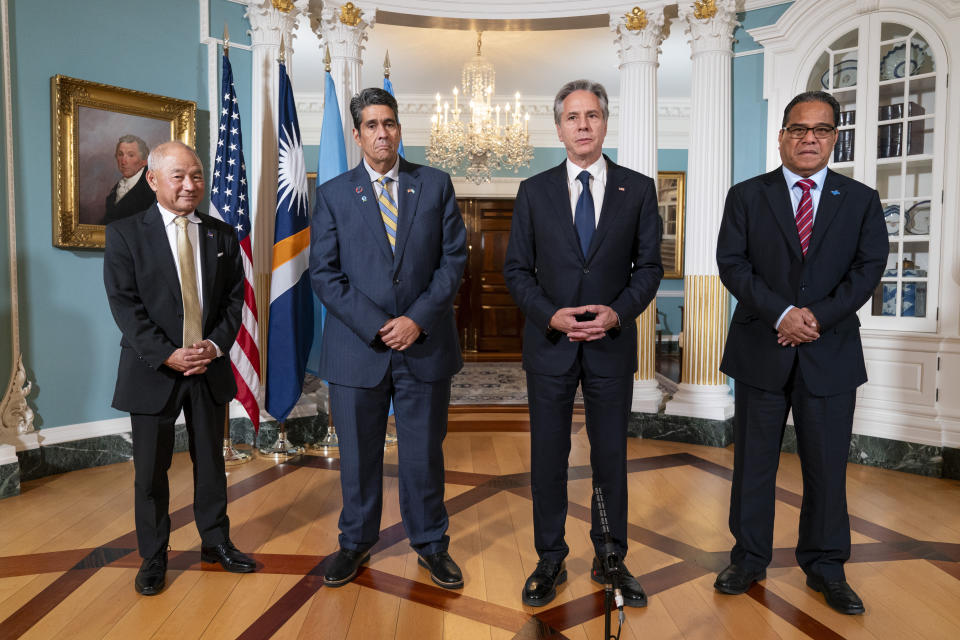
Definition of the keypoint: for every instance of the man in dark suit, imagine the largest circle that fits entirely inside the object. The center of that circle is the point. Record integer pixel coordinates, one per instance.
(175, 284)
(583, 262)
(388, 247)
(131, 194)
(802, 249)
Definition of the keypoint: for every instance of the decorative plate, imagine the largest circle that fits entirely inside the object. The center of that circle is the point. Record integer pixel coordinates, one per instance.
(844, 75)
(894, 64)
(891, 215)
(918, 219)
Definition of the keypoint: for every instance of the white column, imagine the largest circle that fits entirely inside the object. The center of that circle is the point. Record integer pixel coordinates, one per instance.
(639, 35)
(343, 28)
(703, 390)
(268, 25)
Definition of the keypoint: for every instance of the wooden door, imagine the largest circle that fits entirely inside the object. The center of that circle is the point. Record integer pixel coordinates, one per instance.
(489, 322)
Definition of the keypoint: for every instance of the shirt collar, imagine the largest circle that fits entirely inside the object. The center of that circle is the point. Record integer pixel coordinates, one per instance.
(598, 170)
(375, 175)
(817, 178)
(168, 216)
(134, 178)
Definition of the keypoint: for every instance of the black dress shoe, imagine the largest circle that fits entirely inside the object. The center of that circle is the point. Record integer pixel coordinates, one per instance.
(630, 589)
(229, 557)
(838, 595)
(541, 587)
(443, 570)
(152, 575)
(735, 579)
(342, 568)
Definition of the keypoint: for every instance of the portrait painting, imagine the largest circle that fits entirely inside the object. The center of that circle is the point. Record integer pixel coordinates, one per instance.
(102, 136)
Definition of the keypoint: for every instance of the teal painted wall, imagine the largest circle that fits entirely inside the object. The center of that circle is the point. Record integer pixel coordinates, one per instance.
(6, 354)
(69, 339)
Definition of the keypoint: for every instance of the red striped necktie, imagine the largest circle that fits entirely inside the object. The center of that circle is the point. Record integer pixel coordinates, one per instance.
(805, 213)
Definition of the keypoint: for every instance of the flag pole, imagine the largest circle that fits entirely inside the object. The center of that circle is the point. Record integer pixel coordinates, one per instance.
(231, 456)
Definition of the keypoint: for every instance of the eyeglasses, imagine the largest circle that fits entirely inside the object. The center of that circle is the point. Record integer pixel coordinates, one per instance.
(797, 131)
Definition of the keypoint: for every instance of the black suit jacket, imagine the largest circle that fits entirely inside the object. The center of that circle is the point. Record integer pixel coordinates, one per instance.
(762, 265)
(545, 268)
(140, 197)
(143, 289)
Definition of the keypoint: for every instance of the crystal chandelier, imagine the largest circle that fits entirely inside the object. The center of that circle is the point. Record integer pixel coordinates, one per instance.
(481, 141)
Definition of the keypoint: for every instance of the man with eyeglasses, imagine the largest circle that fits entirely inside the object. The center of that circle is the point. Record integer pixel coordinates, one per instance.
(802, 248)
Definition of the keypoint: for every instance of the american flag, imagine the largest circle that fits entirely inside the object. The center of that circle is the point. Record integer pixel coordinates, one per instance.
(228, 201)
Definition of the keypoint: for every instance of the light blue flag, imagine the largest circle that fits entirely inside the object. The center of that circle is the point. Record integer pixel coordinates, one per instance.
(388, 87)
(331, 162)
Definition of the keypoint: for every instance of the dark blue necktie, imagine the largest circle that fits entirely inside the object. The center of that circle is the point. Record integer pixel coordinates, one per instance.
(584, 218)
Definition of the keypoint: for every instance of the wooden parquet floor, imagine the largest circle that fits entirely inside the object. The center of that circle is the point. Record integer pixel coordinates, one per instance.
(68, 558)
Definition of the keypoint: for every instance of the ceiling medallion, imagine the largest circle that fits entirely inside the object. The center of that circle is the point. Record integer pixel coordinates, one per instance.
(636, 20)
(350, 15)
(481, 142)
(704, 9)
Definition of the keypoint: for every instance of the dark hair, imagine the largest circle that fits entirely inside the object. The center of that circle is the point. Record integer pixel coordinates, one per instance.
(580, 85)
(367, 97)
(813, 96)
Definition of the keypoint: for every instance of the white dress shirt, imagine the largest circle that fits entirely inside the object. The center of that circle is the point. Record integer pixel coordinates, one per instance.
(193, 232)
(125, 184)
(392, 186)
(598, 182)
(795, 194)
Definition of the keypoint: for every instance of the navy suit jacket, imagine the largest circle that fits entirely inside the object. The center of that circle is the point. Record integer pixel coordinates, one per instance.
(143, 289)
(363, 284)
(762, 265)
(545, 268)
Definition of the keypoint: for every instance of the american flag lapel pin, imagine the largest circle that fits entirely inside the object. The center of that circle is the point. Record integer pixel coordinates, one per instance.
(621, 189)
(209, 233)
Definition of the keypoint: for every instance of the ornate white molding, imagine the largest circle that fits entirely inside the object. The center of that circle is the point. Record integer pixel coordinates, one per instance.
(268, 24)
(710, 34)
(639, 43)
(345, 40)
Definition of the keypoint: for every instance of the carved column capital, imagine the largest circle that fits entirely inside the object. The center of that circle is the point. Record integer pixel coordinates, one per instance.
(268, 22)
(639, 34)
(710, 24)
(343, 28)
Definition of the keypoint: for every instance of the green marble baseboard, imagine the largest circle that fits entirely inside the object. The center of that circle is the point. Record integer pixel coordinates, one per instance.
(951, 463)
(9, 480)
(660, 426)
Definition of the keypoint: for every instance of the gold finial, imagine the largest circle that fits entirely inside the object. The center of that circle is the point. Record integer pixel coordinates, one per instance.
(704, 9)
(386, 65)
(283, 5)
(283, 52)
(226, 40)
(636, 19)
(326, 59)
(479, 41)
(350, 15)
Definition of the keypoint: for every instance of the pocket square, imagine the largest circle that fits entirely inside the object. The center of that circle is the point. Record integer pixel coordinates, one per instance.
(219, 253)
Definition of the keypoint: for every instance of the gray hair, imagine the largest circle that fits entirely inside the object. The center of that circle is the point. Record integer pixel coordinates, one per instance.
(371, 96)
(159, 153)
(580, 85)
(142, 147)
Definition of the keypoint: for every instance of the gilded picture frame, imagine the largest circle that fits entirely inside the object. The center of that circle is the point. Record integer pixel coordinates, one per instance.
(88, 119)
(671, 198)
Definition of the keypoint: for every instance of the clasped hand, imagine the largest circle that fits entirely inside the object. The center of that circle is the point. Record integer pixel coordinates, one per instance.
(399, 333)
(798, 326)
(565, 320)
(192, 360)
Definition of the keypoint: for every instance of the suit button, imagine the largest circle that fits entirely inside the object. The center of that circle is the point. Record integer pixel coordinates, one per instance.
(396, 281)
(586, 270)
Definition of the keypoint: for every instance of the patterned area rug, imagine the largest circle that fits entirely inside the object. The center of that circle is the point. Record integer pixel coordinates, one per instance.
(505, 383)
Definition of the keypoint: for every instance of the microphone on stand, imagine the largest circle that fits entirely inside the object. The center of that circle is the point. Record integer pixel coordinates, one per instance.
(609, 558)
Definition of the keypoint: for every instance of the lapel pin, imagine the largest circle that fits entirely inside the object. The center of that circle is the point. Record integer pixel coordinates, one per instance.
(411, 190)
(621, 189)
(209, 233)
(359, 190)
(362, 198)
(835, 192)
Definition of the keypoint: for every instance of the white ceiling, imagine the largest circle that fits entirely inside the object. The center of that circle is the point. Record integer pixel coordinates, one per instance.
(536, 63)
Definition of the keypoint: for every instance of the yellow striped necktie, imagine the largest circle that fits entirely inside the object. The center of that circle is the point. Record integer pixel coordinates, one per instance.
(388, 211)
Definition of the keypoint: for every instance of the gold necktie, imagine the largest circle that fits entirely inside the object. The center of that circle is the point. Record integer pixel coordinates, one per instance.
(192, 331)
